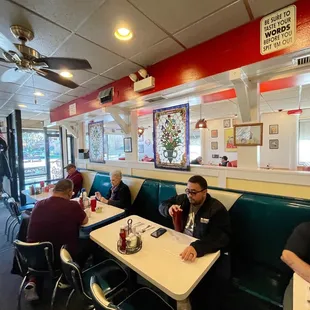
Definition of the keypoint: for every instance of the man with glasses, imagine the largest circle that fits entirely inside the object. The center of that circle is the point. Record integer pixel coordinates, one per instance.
(206, 219)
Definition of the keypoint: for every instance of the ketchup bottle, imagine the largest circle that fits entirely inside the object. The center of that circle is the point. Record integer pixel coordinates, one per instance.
(122, 235)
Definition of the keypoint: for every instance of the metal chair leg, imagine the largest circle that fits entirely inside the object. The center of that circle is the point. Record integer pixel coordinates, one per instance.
(20, 292)
(54, 293)
(8, 236)
(6, 224)
(13, 231)
(69, 298)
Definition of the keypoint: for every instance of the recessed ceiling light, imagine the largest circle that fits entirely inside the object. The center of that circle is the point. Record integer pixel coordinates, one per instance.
(22, 106)
(66, 74)
(38, 94)
(123, 34)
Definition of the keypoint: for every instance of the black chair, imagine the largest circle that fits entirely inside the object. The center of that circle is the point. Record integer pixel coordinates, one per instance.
(142, 299)
(110, 275)
(5, 198)
(36, 259)
(15, 215)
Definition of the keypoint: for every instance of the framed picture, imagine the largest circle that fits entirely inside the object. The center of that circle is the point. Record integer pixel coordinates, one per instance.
(273, 129)
(171, 137)
(214, 133)
(96, 145)
(229, 140)
(248, 134)
(128, 145)
(214, 145)
(273, 144)
(141, 148)
(227, 123)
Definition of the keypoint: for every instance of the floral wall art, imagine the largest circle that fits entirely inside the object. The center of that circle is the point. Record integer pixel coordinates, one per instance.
(96, 146)
(171, 137)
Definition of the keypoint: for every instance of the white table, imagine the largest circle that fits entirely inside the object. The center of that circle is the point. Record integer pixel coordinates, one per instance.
(108, 213)
(301, 293)
(38, 197)
(158, 261)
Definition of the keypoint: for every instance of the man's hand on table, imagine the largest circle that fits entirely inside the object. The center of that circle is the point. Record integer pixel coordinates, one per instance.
(189, 254)
(173, 209)
(100, 198)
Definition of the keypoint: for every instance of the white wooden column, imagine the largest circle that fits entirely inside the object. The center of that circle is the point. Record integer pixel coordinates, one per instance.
(134, 137)
(248, 95)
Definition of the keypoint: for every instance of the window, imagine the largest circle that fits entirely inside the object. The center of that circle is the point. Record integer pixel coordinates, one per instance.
(34, 155)
(304, 143)
(194, 145)
(113, 146)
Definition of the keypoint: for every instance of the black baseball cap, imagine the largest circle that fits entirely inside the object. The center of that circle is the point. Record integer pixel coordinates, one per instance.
(225, 157)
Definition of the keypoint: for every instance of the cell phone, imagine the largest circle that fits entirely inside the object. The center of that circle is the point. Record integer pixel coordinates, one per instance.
(157, 233)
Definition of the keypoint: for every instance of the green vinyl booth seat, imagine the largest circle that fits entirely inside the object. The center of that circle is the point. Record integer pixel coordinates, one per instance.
(261, 225)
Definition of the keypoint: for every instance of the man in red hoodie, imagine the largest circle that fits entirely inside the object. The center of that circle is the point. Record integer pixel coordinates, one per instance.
(76, 177)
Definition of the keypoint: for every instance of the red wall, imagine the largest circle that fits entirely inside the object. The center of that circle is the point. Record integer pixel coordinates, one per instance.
(236, 48)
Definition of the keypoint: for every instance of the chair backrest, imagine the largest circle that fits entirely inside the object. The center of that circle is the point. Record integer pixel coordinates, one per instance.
(13, 208)
(37, 257)
(71, 271)
(98, 296)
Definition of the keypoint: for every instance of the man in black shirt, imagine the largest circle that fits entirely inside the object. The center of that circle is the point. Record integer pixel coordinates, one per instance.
(206, 219)
(297, 256)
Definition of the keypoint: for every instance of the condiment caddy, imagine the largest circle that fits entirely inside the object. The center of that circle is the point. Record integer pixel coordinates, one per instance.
(130, 241)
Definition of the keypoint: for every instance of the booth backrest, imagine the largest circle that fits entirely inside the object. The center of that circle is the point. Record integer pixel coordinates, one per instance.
(226, 198)
(101, 183)
(261, 225)
(88, 179)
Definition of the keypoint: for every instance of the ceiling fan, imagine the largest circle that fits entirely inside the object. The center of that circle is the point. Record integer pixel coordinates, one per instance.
(27, 59)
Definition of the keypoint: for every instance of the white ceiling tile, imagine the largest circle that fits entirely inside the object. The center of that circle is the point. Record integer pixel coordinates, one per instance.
(65, 98)
(42, 83)
(28, 91)
(9, 87)
(114, 14)
(4, 96)
(218, 23)
(121, 70)
(99, 58)
(96, 83)
(67, 13)
(6, 112)
(282, 94)
(157, 52)
(284, 104)
(29, 107)
(305, 104)
(264, 7)
(54, 104)
(80, 91)
(28, 99)
(41, 117)
(174, 15)
(47, 36)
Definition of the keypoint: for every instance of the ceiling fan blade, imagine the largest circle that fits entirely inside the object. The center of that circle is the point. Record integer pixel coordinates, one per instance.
(7, 46)
(55, 77)
(62, 63)
(12, 75)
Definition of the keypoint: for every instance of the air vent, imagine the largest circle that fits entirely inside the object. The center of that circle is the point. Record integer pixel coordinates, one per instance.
(154, 99)
(106, 95)
(301, 61)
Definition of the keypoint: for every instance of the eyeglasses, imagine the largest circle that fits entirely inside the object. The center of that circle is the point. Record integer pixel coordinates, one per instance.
(188, 191)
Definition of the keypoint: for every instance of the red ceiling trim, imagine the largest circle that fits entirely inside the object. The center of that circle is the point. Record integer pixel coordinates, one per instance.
(234, 49)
